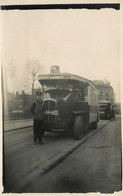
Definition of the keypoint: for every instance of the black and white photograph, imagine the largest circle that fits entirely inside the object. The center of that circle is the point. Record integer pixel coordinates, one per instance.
(61, 97)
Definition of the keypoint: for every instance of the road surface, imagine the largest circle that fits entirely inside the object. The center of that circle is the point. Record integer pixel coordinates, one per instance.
(95, 165)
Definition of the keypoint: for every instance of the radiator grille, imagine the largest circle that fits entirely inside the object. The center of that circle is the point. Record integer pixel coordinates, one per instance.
(50, 105)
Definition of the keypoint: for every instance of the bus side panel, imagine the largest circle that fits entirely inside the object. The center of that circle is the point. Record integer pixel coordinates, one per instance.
(94, 114)
(93, 101)
(79, 106)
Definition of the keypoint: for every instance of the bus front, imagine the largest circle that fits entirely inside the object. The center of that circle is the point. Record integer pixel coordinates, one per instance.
(56, 90)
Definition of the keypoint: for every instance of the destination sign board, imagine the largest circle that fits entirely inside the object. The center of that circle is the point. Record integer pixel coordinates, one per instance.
(46, 77)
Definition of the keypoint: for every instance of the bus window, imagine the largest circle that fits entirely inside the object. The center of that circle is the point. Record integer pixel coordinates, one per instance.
(77, 95)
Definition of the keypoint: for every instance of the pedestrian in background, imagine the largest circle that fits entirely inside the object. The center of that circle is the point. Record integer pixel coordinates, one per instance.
(38, 122)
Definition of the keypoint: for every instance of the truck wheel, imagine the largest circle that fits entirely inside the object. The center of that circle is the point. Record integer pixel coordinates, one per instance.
(78, 127)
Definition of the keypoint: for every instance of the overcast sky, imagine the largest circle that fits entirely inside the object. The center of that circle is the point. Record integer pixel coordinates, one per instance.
(83, 42)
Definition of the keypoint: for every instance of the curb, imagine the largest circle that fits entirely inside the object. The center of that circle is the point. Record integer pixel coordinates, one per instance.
(50, 164)
(6, 131)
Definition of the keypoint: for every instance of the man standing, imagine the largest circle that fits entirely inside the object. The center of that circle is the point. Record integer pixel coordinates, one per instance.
(38, 123)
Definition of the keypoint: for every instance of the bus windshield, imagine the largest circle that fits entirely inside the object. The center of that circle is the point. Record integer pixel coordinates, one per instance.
(57, 94)
(57, 84)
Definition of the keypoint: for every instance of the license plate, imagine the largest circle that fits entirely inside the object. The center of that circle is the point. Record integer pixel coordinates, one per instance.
(52, 112)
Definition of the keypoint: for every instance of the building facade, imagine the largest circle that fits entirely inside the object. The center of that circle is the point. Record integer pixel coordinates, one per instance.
(106, 91)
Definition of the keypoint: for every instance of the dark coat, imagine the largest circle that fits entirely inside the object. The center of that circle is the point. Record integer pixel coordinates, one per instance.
(36, 110)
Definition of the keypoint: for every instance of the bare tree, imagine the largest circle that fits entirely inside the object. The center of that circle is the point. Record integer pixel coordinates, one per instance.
(32, 69)
(11, 69)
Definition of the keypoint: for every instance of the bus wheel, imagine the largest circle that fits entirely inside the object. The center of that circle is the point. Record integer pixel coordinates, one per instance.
(78, 127)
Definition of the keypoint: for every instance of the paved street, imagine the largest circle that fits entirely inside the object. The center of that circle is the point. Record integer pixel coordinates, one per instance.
(95, 165)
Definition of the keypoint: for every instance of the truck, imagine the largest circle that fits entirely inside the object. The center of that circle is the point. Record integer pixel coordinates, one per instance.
(107, 110)
(70, 103)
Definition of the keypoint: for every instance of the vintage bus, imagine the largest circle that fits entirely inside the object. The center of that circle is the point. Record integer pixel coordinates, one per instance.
(70, 103)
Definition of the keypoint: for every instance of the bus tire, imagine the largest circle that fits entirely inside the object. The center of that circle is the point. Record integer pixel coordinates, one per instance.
(78, 127)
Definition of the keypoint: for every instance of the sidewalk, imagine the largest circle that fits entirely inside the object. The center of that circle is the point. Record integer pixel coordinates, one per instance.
(17, 124)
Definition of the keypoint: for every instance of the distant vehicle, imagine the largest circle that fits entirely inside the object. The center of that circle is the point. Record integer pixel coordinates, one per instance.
(105, 89)
(107, 110)
(70, 103)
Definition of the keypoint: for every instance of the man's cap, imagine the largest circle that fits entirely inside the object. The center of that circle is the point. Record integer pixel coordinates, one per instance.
(39, 93)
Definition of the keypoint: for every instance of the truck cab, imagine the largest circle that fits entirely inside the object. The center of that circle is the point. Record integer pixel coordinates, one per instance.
(106, 110)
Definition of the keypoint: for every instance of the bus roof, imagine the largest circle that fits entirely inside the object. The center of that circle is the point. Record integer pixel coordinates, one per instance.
(65, 76)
